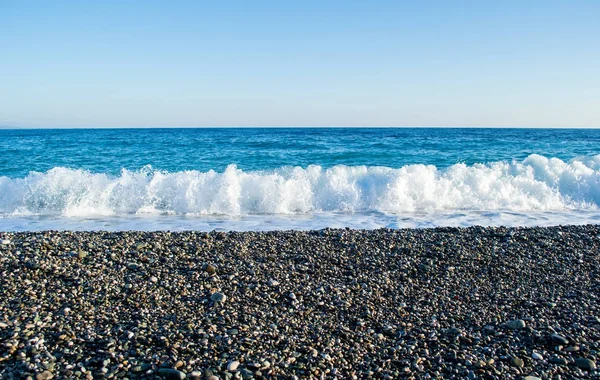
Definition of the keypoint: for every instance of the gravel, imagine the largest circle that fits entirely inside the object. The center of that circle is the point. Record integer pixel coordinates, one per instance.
(476, 302)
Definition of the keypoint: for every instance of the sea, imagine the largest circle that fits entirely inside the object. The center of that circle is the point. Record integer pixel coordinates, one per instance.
(296, 178)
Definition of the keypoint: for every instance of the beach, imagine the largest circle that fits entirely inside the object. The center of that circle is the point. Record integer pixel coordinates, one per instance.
(408, 303)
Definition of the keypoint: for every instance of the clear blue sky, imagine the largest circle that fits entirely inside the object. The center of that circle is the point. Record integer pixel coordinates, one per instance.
(229, 63)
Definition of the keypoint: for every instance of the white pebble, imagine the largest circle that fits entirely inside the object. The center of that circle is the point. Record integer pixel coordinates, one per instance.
(232, 366)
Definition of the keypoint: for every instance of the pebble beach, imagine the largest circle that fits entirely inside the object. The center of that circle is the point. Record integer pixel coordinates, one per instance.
(462, 303)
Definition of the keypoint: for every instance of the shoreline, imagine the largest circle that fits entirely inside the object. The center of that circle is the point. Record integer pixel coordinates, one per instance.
(489, 302)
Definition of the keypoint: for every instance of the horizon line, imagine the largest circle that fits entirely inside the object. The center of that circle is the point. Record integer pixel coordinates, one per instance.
(13, 127)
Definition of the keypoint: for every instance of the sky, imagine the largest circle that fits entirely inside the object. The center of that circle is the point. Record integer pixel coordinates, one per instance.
(299, 63)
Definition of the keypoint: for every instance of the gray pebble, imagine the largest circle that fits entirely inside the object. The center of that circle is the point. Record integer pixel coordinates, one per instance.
(516, 324)
(218, 297)
(584, 363)
(559, 339)
(171, 374)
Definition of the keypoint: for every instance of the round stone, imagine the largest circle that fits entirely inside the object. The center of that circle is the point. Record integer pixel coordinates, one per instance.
(584, 363)
(46, 375)
(218, 297)
(559, 339)
(517, 362)
(516, 324)
(171, 374)
(233, 366)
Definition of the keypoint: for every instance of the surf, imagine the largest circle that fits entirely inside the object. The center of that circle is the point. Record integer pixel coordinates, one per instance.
(537, 183)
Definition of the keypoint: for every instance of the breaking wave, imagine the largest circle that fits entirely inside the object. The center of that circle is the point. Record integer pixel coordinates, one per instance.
(535, 184)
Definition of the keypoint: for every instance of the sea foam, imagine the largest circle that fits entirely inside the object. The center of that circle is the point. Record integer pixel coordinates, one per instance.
(534, 184)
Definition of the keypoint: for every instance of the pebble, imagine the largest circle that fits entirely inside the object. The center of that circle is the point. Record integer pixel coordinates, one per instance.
(367, 309)
(171, 374)
(46, 375)
(537, 356)
(233, 366)
(211, 269)
(584, 363)
(559, 360)
(516, 324)
(4, 242)
(218, 297)
(559, 339)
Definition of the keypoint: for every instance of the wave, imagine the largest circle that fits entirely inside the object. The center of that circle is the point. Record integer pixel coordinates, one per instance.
(534, 184)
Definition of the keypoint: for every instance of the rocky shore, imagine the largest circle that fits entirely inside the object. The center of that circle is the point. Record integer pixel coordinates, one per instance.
(470, 303)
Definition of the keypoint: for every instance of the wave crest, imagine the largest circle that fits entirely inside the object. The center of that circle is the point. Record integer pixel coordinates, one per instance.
(537, 184)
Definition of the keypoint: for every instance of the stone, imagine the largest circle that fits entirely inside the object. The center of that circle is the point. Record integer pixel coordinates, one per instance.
(517, 324)
(559, 339)
(195, 375)
(5, 242)
(584, 363)
(572, 349)
(273, 282)
(532, 378)
(517, 362)
(171, 374)
(154, 279)
(454, 331)
(292, 296)
(537, 356)
(253, 366)
(211, 269)
(233, 366)
(218, 297)
(559, 360)
(46, 375)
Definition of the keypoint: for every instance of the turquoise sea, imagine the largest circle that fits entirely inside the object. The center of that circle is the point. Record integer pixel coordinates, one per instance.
(301, 178)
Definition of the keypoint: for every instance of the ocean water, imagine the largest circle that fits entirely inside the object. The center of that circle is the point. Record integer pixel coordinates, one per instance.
(294, 178)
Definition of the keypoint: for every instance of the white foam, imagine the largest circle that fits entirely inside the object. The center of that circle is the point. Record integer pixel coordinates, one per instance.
(537, 184)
